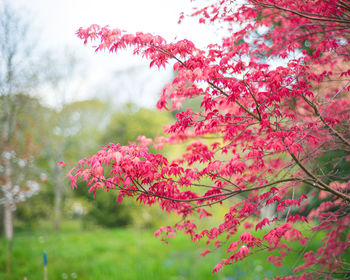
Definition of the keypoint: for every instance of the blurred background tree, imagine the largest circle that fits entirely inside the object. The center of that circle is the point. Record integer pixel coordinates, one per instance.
(124, 126)
(35, 136)
(17, 114)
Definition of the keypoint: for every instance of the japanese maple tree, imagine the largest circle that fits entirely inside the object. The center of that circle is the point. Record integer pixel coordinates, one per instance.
(275, 94)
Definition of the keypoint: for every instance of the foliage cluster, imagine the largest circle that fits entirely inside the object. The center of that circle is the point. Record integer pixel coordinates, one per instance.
(272, 122)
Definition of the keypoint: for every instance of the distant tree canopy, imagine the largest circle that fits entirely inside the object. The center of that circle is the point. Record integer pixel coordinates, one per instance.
(125, 126)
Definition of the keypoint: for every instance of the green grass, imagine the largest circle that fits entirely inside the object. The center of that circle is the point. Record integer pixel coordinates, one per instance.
(122, 254)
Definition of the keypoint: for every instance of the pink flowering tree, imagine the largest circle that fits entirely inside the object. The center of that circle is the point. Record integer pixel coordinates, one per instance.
(275, 95)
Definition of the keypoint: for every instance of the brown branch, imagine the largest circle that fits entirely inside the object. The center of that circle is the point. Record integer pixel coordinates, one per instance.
(202, 185)
(226, 194)
(331, 129)
(255, 101)
(209, 82)
(318, 181)
(343, 5)
(226, 180)
(303, 14)
(238, 103)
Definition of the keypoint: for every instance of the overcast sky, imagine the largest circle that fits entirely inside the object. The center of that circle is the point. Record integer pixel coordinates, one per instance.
(58, 20)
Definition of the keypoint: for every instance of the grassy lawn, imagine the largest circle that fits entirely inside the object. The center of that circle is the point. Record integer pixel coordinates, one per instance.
(123, 254)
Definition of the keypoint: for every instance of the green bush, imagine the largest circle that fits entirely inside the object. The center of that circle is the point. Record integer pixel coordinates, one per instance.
(103, 210)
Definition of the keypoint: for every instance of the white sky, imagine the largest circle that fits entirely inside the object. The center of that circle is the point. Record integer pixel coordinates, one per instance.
(58, 20)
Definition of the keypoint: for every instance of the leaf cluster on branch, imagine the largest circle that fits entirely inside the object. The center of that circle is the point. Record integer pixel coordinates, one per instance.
(272, 121)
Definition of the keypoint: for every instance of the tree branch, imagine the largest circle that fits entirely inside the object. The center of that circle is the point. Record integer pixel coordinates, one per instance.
(331, 129)
(318, 181)
(303, 14)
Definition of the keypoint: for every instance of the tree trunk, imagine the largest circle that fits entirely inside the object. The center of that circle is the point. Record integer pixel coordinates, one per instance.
(8, 226)
(58, 202)
(8, 210)
(8, 221)
(268, 212)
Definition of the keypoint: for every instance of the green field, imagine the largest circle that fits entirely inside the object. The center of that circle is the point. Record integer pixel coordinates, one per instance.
(122, 254)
